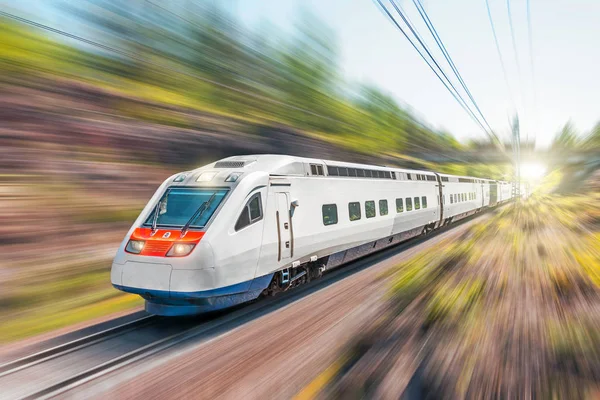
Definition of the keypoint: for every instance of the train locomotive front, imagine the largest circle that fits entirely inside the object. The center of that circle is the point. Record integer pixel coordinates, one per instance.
(183, 254)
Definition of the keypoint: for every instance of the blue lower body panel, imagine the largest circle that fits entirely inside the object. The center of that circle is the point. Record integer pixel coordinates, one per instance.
(168, 303)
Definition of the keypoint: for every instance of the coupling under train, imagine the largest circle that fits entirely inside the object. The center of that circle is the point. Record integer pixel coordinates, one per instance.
(246, 226)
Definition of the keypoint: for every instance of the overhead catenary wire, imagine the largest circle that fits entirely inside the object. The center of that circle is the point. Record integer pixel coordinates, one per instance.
(433, 64)
(440, 43)
(533, 86)
(502, 64)
(513, 39)
(517, 62)
(457, 96)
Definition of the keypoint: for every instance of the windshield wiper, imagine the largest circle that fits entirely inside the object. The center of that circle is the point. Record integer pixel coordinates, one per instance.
(157, 210)
(155, 219)
(197, 214)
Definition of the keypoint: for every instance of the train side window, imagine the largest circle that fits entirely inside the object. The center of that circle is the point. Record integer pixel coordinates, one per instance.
(451, 199)
(399, 205)
(370, 208)
(330, 216)
(332, 171)
(383, 207)
(351, 171)
(417, 203)
(320, 170)
(343, 171)
(424, 201)
(354, 211)
(313, 169)
(408, 204)
(251, 213)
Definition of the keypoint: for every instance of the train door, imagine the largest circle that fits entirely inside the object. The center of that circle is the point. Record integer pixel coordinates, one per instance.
(493, 193)
(482, 196)
(284, 226)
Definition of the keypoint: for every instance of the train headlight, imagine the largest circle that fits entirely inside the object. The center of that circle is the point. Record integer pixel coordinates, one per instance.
(180, 249)
(135, 246)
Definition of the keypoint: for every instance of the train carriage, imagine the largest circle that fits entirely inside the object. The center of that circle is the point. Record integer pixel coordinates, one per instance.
(226, 233)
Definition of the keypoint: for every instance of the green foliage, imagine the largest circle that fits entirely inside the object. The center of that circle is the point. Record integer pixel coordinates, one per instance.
(208, 60)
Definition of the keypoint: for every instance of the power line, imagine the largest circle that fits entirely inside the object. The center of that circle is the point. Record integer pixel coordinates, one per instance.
(512, 35)
(428, 63)
(514, 46)
(448, 58)
(530, 36)
(449, 86)
(500, 55)
(419, 39)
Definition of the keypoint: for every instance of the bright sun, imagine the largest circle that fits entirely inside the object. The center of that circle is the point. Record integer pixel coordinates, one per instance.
(533, 171)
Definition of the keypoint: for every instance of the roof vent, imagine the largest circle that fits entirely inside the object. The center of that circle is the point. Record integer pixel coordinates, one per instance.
(230, 164)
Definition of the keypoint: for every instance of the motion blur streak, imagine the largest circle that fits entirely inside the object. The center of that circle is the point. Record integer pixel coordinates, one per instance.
(102, 100)
(97, 111)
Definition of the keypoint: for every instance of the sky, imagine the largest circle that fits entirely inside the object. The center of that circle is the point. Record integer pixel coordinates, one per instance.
(561, 86)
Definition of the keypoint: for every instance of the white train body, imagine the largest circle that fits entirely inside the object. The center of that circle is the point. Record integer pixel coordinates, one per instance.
(272, 221)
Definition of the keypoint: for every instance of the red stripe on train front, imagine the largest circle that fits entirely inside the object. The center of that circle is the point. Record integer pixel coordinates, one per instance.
(159, 243)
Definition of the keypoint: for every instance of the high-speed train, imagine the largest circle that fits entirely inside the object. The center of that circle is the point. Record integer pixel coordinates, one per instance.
(225, 233)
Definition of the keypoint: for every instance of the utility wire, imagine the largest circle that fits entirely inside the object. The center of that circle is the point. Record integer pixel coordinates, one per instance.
(530, 35)
(449, 86)
(514, 45)
(512, 35)
(419, 39)
(500, 55)
(429, 64)
(448, 58)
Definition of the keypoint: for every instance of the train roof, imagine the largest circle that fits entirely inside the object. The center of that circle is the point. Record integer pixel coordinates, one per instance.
(285, 165)
(291, 165)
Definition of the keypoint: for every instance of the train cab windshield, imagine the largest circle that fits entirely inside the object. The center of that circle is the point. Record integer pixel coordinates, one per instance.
(193, 207)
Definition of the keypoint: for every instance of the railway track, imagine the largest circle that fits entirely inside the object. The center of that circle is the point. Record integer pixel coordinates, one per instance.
(53, 372)
(71, 346)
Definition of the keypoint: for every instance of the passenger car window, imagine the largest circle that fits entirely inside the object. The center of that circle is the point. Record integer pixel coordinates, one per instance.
(370, 208)
(251, 213)
(417, 203)
(383, 207)
(399, 205)
(354, 211)
(330, 216)
(408, 204)
(424, 201)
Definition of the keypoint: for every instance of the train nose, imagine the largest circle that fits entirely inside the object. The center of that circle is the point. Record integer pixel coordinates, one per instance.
(195, 273)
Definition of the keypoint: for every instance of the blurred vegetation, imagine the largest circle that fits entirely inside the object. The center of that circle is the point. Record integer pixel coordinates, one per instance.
(568, 138)
(509, 308)
(201, 57)
(92, 123)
